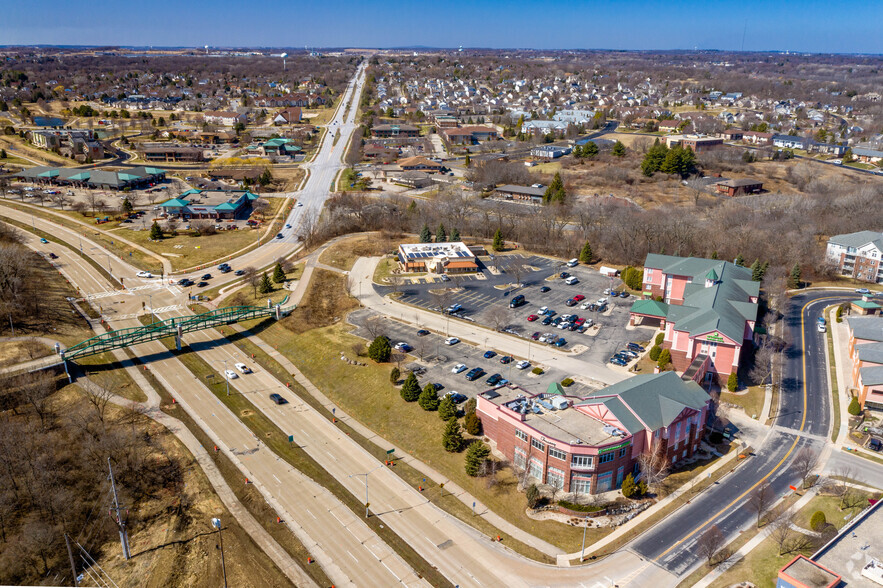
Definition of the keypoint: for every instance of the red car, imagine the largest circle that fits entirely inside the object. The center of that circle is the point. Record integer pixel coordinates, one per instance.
(579, 297)
(535, 336)
(532, 318)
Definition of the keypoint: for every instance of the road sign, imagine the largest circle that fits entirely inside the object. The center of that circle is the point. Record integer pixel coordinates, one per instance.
(390, 451)
(291, 438)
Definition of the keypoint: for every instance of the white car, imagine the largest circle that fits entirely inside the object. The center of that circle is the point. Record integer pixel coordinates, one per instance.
(460, 367)
(242, 368)
(230, 374)
(602, 301)
(523, 364)
(822, 328)
(585, 305)
(143, 274)
(300, 203)
(543, 310)
(451, 341)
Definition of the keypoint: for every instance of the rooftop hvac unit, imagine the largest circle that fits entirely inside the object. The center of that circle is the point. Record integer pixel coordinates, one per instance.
(559, 403)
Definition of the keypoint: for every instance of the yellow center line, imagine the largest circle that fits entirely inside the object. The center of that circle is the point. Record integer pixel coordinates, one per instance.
(781, 461)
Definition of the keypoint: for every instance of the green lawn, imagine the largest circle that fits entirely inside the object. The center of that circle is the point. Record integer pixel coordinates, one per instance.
(384, 269)
(835, 391)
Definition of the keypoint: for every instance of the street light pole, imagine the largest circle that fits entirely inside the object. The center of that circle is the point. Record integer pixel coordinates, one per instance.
(216, 523)
(582, 552)
(366, 474)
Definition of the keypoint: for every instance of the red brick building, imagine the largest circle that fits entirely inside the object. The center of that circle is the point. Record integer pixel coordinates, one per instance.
(587, 445)
(707, 312)
(866, 353)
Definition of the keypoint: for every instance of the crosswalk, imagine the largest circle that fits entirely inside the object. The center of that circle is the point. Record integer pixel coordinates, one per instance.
(124, 317)
(174, 290)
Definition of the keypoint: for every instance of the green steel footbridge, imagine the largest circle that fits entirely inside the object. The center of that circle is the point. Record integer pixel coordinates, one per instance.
(172, 327)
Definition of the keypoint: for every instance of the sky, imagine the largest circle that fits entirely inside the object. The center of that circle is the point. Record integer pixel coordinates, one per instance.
(832, 26)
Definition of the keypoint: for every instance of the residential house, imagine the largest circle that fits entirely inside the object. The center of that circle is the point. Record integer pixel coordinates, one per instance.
(224, 117)
(529, 193)
(288, 116)
(739, 187)
(387, 131)
(707, 312)
(868, 155)
(857, 255)
(789, 142)
(419, 163)
(588, 444)
(731, 135)
(757, 138)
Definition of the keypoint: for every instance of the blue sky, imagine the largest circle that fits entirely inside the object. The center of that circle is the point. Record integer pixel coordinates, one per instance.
(808, 25)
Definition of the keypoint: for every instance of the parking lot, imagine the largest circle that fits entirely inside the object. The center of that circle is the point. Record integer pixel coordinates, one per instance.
(437, 359)
(485, 297)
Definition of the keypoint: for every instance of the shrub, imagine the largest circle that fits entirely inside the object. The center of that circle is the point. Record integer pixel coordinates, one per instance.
(818, 521)
(654, 352)
(428, 398)
(643, 488)
(633, 277)
(855, 407)
(664, 359)
(472, 423)
(411, 388)
(475, 456)
(470, 405)
(447, 409)
(567, 382)
(533, 496)
(629, 488)
(732, 382)
(660, 338)
(840, 314)
(537, 371)
(452, 439)
(394, 375)
(380, 350)
(579, 507)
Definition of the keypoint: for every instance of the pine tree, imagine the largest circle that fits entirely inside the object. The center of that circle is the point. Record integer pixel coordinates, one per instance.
(428, 398)
(475, 456)
(664, 359)
(278, 274)
(265, 287)
(472, 423)
(380, 350)
(447, 409)
(618, 149)
(155, 232)
(755, 270)
(394, 375)
(585, 255)
(628, 486)
(794, 277)
(127, 205)
(590, 149)
(455, 235)
(855, 407)
(498, 240)
(732, 382)
(441, 236)
(714, 254)
(425, 234)
(555, 192)
(452, 439)
(739, 260)
(763, 269)
(411, 388)
(467, 161)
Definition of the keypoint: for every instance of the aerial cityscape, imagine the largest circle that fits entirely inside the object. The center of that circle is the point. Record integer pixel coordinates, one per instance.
(515, 295)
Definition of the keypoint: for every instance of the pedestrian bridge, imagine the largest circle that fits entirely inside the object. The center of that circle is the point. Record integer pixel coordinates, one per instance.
(171, 327)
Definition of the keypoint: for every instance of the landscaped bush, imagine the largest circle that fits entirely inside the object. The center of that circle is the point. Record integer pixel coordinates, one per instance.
(394, 375)
(579, 507)
(732, 382)
(660, 338)
(654, 352)
(472, 423)
(537, 371)
(855, 407)
(818, 521)
(533, 496)
(567, 382)
(664, 359)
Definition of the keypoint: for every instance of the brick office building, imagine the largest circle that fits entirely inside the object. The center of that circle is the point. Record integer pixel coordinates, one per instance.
(707, 312)
(588, 444)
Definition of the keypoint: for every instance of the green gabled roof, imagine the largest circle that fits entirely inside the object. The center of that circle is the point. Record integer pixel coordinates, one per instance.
(49, 173)
(154, 170)
(276, 142)
(650, 307)
(80, 177)
(175, 203)
(250, 196)
(225, 206)
(555, 388)
(653, 400)
(868, 305)
(189, 192)
(127, 177)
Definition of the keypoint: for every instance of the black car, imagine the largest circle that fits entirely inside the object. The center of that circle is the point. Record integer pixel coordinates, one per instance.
(239, 273)
(278, 399)
(202, 284)
(206, 277)
(623, 294)
(635, 347)
(457, 397)
(494, 379)
(53, 256)
(564, 275)
(547, 320)
(506, 359)
(223, 266)
(474, 373)
(422, 332)
(183, 282)
(545, 289)
(570, 302)
(225, 270)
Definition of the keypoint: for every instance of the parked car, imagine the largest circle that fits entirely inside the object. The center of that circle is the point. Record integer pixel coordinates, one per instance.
(560, 342)
(494, 379)
(474, 373)
(523, 364)
(532, 318)
(454, 308)
(445, 278)
(506, 359)
(618, 361)
(579, 297)
(570, 302)
(545, 289)
(456, 397)
(451, 340)
(573, 262)
(278, 399)
(402, 346)
(875, 445)
(517, 301)
(422, 333)
(242, 368)
(535, 336)
(489, 354)
(623, 294)
(543, 310)
(547, 320)
(460, 367)
(862, 291)
(564, 275)
(571, 281)
(635, 347)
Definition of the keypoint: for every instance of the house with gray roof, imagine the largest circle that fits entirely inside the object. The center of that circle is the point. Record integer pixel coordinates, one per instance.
(866, 353)
(706, 308)
(857, 255)
(588, 443)
(135, 177)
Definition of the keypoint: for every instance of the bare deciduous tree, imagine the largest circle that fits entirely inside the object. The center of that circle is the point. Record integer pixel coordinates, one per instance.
(759, 501)
(710, 544)
(375, 326)
(780, 531)
(497, 316)
(251, 278)
(805, 462)
(654, 466)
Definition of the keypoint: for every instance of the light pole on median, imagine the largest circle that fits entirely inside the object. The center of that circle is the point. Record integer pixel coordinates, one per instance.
(366, 474)
(216, 523)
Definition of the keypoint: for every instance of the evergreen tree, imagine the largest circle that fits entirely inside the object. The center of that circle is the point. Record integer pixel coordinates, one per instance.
(155, 232)
(498, 240)
(629, 488)
(664, 359)
(653, 158)
(855, 407)
(447, 409)
(411, 388)
(590, 149)
(455, 235)
(755, 270)
(3, 154)
(732, 382)
(763, 269)
(425, 234)
(394, 375)
(585, 255)
(380, 350)
(714, 254)
(739, 260)
(278, 274)
(452, 439)
(127, 205)
(467, 161)
(472, 423)
(654, 352)
(847, 156)
(618, 149)
(265, 287)
(475, 456)
(441, 236)
(794, 277)
(428, 398)
(555, 192)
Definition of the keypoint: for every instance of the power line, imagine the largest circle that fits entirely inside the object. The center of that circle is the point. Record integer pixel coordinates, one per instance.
(120, 521)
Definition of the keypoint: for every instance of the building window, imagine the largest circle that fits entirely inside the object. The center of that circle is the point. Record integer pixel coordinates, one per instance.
(555, 478)
(536, 469)
(520, 458)
(619, 473)
(581, 485)
(678, 426)
(623, 451)
(539, 445)
(607, 457)
(521, 434)
(581, 462)
(557, 453)
(605, 482)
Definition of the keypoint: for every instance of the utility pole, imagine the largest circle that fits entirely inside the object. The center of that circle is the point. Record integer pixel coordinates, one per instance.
(216, 523)
(582, 551)
(366, 474)
(226, 377)
(70, 556)
(124, 536)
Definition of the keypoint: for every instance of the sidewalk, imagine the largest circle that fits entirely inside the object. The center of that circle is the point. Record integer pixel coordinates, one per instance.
(481, 509)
